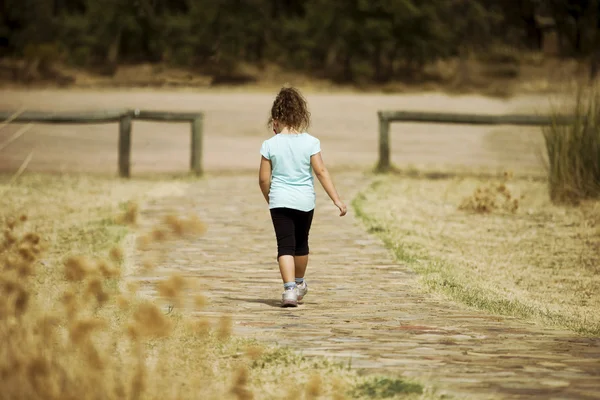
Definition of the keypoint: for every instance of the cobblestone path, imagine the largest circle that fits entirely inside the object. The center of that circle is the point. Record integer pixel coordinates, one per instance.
(362, 307)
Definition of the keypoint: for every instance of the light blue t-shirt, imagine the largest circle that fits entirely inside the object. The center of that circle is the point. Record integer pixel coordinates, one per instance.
(292, 182)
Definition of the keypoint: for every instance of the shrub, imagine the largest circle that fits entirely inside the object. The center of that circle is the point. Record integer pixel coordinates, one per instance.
(491, 197)
(573, 150)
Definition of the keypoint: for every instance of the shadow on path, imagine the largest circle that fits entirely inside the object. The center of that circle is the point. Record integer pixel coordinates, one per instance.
(270, 302)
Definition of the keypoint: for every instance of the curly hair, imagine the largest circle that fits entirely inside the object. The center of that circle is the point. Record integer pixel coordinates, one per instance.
(290, 109)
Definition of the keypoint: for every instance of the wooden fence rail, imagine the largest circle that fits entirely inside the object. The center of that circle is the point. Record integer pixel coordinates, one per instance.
(125, 119)
(387, 117)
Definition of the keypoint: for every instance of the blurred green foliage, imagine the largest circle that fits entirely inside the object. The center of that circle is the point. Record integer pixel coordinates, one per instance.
(341, 40)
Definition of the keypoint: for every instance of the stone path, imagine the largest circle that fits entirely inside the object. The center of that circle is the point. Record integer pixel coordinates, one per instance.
(362, 307)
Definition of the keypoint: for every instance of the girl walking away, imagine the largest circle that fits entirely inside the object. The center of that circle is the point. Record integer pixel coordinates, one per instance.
(288, 161)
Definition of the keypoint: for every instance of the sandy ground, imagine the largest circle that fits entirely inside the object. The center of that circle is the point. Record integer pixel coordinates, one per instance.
(235, 126)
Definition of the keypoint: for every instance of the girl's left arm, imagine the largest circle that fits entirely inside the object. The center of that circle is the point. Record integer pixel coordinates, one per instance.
(264, 177)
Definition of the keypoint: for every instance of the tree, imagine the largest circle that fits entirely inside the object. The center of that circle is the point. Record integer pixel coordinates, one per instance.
(578, 26)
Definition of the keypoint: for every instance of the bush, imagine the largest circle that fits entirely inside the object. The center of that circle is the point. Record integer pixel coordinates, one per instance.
(573, 150)
(495, 196)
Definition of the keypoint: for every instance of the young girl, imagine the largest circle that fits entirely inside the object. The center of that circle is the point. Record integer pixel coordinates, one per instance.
(286, 180)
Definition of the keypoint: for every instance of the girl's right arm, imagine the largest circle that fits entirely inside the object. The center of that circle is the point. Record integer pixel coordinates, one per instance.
(264, 177)
(316, 161)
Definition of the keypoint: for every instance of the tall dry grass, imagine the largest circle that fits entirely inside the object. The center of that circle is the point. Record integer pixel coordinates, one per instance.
(573, 150)
(71, 329)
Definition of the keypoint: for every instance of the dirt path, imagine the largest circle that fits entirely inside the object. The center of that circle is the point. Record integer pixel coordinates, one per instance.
(362, 307)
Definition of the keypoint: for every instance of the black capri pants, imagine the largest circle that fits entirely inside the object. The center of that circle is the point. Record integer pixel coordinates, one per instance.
(291, 229)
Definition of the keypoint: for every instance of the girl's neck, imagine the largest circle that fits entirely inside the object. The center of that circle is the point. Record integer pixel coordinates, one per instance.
(289, 131)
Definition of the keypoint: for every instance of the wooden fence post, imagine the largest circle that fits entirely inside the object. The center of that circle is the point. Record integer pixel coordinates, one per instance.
(196, 156)
(125, 145)
(384, 144)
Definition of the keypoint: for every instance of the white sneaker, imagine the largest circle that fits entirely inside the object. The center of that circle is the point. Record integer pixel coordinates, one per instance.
(289, 298)
(302, 290)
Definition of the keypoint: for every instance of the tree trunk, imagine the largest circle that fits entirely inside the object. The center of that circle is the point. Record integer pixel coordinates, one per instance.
(331, 62)
(463, 75)
(112, 56)
(532, 30)
(347, 74)
(594, 65)
(377, 67)
(594, 15)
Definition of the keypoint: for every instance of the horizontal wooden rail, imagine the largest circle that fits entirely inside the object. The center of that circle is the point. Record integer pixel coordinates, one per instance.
(125, 119)
(165, 116)
(387, 117)
(82, 117)
(473, 119)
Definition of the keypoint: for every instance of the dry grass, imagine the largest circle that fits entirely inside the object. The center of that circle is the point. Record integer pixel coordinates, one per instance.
(491, 197)
(70, 330)
(537, 260)
(573, 151)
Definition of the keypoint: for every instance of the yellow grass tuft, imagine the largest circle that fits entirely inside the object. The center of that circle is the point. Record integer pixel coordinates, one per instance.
(116, 254)
(176, 224)
(224, 328)
(32, 238)
(159, 234)
(123, 302)
(240, 385)
(200, 301)
(107, 270)
(172, 288)
(254, 352)
(201, 327)
(491, 197)
(77, 268)
(94, 289)
(11, 223)
(148, 264)
(70, 303)
(80, 330)
(130, 215)
(138, 382)
(184, 226)
(132, 287)
(93, 357)
(338, 389)
(195, 226)
(9, 238)
(15, 295)
(47, 325)
(313, 387)
(150, 321)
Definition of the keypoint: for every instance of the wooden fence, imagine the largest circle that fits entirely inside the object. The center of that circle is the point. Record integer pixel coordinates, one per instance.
(387, 117)
(125, 119)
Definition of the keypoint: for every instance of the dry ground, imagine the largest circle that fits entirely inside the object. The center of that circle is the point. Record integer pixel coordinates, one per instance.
(523, 257)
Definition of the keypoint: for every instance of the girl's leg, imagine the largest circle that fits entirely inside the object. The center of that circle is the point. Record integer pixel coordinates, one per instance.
(286, 267)
(302, 224)
(283, 222)
(300, 262)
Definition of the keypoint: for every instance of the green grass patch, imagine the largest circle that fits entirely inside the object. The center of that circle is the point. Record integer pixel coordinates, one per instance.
(385, 388)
